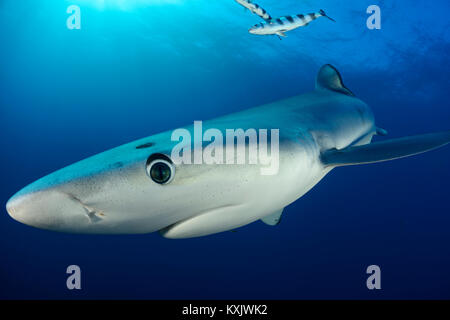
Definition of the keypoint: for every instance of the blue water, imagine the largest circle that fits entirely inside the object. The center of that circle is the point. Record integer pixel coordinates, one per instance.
(137, 68)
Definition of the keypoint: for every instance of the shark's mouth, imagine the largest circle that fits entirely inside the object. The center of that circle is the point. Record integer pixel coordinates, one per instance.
(94, 215)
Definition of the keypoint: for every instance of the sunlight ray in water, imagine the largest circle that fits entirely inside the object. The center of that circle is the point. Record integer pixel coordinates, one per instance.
(124, 4)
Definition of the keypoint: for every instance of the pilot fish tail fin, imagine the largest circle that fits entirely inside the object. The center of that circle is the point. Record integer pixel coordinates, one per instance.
(385, 150)
(322, 13)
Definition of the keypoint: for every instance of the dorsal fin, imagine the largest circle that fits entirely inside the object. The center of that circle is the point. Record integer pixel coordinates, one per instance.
(330, 79)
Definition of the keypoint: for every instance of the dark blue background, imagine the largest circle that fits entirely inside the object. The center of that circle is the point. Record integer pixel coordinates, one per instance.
(145, 66)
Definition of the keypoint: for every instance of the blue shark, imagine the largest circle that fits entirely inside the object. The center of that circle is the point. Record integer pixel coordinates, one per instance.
(138, 188)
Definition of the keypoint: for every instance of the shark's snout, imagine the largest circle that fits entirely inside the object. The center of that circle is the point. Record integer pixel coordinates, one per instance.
(18, 207)
(10, 205)
(47, 209)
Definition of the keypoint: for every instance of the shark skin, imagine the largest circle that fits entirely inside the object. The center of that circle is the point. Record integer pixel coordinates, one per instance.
(111, 192)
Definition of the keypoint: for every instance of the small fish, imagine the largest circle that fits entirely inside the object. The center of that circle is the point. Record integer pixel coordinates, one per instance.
(254, 8)
(280, 25)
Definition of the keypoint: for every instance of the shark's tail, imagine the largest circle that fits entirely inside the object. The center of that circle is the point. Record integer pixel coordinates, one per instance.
(325, 15)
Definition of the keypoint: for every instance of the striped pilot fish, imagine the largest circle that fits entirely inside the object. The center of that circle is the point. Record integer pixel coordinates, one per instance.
(254, 8)
(280, 25)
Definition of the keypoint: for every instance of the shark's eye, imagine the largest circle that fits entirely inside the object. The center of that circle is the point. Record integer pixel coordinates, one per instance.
(160, 170)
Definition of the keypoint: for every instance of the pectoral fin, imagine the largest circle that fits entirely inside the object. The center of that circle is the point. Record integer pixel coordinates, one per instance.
(281, 34)
(385, 150)
(274, 218)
